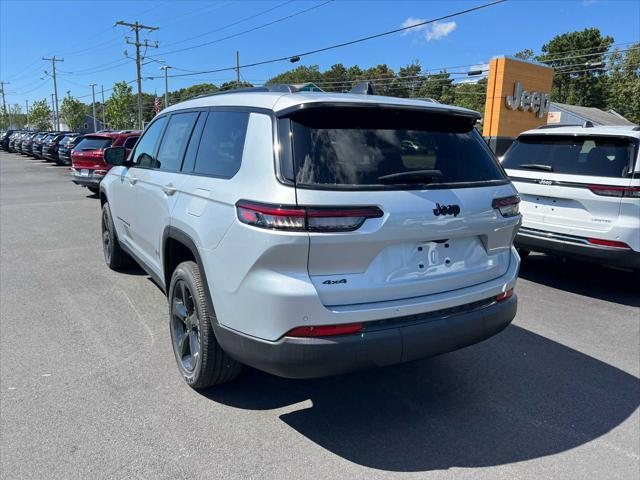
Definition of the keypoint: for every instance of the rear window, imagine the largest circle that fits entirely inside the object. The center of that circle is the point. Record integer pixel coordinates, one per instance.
(573, 155)
(94, 143)
(353, 148)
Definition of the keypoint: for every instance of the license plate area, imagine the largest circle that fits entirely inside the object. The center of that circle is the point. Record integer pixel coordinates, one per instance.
(84, 172)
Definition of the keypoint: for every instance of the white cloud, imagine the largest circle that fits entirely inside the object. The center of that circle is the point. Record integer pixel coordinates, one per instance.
(432, 31)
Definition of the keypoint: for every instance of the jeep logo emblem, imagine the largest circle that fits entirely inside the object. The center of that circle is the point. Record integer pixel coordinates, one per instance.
(522, 100)
(446, 210)
(545, 182)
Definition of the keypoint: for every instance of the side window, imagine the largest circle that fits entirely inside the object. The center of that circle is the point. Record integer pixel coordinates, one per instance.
(130, 142)
(144, 156)
(222, 143)
(192, 149)
(174, 141)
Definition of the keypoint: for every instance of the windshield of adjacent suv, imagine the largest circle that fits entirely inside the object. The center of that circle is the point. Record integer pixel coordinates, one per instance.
(573, 155)
(365, 148)
(93, 143)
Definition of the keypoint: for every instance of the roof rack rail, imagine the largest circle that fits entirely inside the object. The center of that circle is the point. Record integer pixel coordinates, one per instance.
(275, 87)
(542, 127)
(636, 128)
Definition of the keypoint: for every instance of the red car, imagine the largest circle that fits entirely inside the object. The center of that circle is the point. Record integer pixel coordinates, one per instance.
(87, 162)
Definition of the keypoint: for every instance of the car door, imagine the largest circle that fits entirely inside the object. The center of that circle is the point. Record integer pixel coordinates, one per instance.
(158, 187)
(124, 192)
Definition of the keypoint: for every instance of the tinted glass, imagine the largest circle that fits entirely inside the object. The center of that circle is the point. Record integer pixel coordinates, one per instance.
(573, 155)
(192, 148)
(354, 147)
(221, 144)
(130, 142)
(175, 140)
(93, 143)
(144, 155)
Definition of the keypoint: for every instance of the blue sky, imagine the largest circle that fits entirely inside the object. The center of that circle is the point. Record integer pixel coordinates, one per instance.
(82, 33)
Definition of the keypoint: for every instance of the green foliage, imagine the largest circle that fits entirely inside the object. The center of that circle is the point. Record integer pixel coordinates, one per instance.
(72, 112)
(586, 88)
(40, 115)
(623, 92)
(526, 54)
(471, 95)
(120, 108)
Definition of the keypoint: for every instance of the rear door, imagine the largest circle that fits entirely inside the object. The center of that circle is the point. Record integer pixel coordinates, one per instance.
(435, 234)
(562, 179)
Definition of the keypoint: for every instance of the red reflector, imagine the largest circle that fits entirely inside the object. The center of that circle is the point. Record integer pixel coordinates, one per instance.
(607, 243)
(325, 330)
(505, 296)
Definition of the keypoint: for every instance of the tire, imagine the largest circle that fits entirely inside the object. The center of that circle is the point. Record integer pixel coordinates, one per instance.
(94, 190)
(200, 359)
(523, 253)
(114, 256)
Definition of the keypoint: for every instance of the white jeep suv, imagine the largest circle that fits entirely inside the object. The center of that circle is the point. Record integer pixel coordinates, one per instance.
(580, 189)
(311, 234)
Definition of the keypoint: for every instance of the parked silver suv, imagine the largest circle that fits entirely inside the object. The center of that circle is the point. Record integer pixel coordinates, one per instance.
(311, 234)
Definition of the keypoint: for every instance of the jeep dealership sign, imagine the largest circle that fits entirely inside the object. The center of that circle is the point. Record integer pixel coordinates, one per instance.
(523, 100)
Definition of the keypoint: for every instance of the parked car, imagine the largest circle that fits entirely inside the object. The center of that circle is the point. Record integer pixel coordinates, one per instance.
(50, 146)
(66, 144)
(88, 166)
(12, 141)
(27, 143)
(36, 149)
(20, 141)
(4, 139)
(329, 253)
(580, 189)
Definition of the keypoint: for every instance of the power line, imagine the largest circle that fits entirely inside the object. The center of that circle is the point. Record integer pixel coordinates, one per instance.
(249, 30)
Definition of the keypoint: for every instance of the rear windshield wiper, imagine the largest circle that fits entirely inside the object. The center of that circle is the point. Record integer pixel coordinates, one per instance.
(416, 176)
(537, 166)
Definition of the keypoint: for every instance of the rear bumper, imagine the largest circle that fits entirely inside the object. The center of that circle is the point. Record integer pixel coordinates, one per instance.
(379, 345)
(575, 247)
(89, 181)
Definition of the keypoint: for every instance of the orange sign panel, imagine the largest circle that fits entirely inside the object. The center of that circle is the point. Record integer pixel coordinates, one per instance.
(518, 95)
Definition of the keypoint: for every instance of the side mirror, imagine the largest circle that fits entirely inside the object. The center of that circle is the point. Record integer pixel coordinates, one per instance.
(115, 156)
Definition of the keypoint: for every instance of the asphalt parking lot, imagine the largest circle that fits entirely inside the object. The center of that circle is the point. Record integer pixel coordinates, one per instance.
(89, 389)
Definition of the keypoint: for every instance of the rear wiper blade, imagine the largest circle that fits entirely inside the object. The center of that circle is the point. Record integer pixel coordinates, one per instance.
(537, 166)
(416, 176)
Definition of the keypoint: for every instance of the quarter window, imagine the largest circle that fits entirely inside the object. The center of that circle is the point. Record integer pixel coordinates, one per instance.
(144, 156)
(175, 140)
(222, 144)
(130, 142)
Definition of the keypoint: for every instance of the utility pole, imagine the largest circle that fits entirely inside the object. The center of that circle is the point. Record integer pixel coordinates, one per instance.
(237, 69)
(136, 27)
(26, 102)
(166, 85)
(4, 103)
(54, 112)
(104, 121)
(53, 61)
(93, 105)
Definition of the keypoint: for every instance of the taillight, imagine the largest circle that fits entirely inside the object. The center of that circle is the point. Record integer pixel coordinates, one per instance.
(325, 330)
(100, 172)
(312, 219)
(508, 206)
(613, 191)
(607, 243)
(505, 295)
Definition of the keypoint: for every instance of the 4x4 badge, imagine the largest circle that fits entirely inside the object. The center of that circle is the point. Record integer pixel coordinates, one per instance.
(446, 210)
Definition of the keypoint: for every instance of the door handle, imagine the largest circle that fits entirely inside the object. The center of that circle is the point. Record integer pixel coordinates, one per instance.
(133, 180)
(169, 189)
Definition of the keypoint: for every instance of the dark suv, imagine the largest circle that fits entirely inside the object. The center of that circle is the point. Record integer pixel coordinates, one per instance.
(65, 145)
(87, 158)
(50, 146)
(4, 140)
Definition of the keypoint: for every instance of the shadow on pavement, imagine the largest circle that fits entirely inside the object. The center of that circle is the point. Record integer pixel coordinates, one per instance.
(515, 397)
(583, 278)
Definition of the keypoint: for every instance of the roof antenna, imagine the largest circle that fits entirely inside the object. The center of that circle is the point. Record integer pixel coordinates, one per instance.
(363, 88)
(587, 124)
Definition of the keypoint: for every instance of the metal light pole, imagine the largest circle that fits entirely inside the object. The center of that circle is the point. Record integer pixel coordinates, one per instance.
(93, 105)
(53, 61)
(53, 109)
(104, 121)
(166, 85)
(27, 104)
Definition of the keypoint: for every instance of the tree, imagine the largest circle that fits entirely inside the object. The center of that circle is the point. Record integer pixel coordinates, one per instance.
(576, 52)
(408, 82)
(120, 108)
(526, 54)
(234, 84)
(623, 84)
(471, 95)
(40, 115)
(438, 86)
(72, 112)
